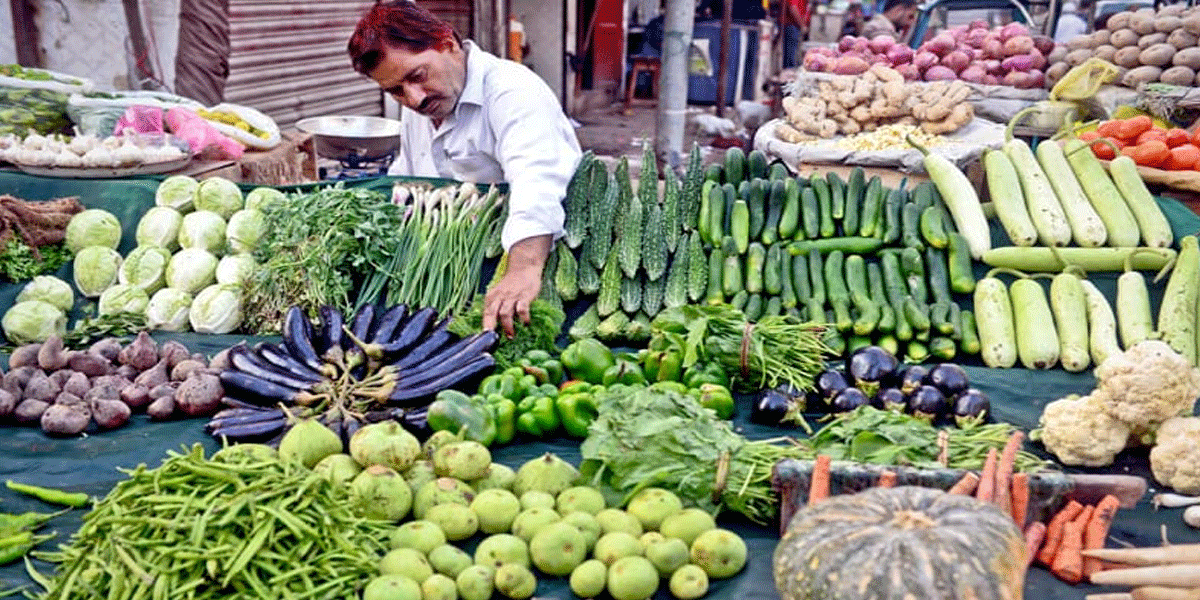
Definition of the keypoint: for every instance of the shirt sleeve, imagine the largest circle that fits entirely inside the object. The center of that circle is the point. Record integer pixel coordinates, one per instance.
(538, 151)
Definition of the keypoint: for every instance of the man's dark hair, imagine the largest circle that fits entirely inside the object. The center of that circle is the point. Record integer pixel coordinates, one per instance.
(890, 4)
(399, 24)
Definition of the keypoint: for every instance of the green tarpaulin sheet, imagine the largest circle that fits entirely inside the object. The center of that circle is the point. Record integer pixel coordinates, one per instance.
(91, 463)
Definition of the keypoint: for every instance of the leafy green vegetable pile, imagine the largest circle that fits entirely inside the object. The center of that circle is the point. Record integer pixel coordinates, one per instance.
(545, 323)
(18, 262)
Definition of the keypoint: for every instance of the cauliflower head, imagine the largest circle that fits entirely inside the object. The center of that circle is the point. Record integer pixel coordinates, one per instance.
(1146, 385)
(1175, 458)
(1079, 432)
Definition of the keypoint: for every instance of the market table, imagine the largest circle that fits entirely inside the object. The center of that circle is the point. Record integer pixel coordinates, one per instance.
(91, 463)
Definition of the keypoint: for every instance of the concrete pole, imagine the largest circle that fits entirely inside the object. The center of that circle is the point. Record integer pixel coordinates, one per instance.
(673, 81)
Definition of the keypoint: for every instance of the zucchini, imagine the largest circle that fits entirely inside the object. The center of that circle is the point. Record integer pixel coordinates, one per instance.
(576, 205)
(993, 314)
(754, 308)
(714, 294)
(790, 215)
(1069, 305)
(756, 258)
(1155, 230)
(1177, 311)
(1037, 339)
(1102, 324)
(735, 165)
(629, 238)
(932, 227)
(820, 187)
(969, 335)
(732, 278)
(1041, 259)
(756, 164)
(856, 245)
(910, 226)
(676, 292)
(655, 253)
(670, 209)
(787, 278)
(631, 295)
(837, 195)
(1118, 219)
(654, 293)
(962, 274)
(896, 199)
(775, 200)
(835, 287)
(585, 325)
(870, 221)
(1004, 188)
(691, 199)
(1087, 228)
(1045, 211)
(773, 270)
(1135, 321)
(755, 195)
(698, 270)
(959, 195)
(566, 270)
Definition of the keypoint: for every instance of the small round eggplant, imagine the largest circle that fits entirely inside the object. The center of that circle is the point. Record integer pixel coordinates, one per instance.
(771, 407)
(829, 382)
(908, 378)
(971, 408)
(927, 402)
(870, 364)
(849, 399)
(890, 399)
(950, 378)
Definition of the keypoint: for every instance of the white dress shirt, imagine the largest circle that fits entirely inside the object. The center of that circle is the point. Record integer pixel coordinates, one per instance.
(507, 127)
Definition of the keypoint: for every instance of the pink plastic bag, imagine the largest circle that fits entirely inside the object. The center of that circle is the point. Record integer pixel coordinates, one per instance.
(140, 119)
(201, 137)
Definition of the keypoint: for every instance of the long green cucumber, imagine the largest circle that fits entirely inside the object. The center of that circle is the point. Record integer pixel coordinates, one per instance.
(962, 274)
(896, 199)
(820, 187)
(773, 275)
(872, 208)
(775, 201)
(854, 245)
(860, 295)
(755, 196)
(887, 316)
(789, 218)
(756, 258)
(969, 342)
(816, 277)
(787, 292)
(837, 195)
(835, 286)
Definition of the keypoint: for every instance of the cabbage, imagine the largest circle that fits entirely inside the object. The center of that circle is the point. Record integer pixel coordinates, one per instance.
(95, 269)
(33, 321)
(160, 227)
(191, 270)
(93, 227)
(244, 230)
(235, 268)
(146, 268)
(178, 192)
(219, 195)
(122, 298)
(48, 288)
(168, 310)
(216, 309)
(202, 229)
(260, 197)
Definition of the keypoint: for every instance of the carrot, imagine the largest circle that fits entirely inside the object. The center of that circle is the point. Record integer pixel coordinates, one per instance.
(1068, 559)
(1129, 129)
(1097, 531)
(1088, 136)
(1182, 158)
(1020, 498)
(1154, 133)
(1155, 555)
(1108, 129)
(819, 488)
(965, 486)
(1004, 471)
(1103, 151)
(1054, 531)
(1177, 137)
(1034, 534)
(1150, 154)
(1186, 576)
(887, 479)
(987, 479)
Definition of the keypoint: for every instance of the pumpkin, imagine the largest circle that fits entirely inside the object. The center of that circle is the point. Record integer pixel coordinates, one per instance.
(902, 542)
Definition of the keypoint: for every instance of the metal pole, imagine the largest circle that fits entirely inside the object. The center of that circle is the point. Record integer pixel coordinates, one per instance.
(673, 80)
(723, 56)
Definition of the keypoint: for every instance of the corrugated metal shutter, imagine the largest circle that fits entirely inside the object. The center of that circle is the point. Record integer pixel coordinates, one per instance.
(288, 58)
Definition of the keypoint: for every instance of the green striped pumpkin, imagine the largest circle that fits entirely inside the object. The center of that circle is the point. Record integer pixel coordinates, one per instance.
(901, 543)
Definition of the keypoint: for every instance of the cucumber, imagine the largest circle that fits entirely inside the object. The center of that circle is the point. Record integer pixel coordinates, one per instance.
(739, 299)
(820, 187)
(895, 291)
(756, 164)
(810, 215)
(735, 165)
(1134, 317)
(754, 308)
(787, 292)
(936, 274)
(887, 316)
(888, 342)
(916, 352)
(775, 200)
(853, 210)
(816, 278)
(798, 276)
(924, 195)
(773, 270)
(715, 174)
(860, 295)
(703, 221)
(896, 199)
(940, 319)
(912, 267)
(837, 195)
(715, 294)
(1037, 339)
(993, 313)
(774, 307)
(835, 287)
(910, 226)
(790, 215)
(942, 348)
(962, 275)
(715, 229)
(739, 225)
(1069, 306)
(856, 245)
(857, 342)
(932, 229)
(756, 258)
(731, 195)
(969, 338)
(1102, 324)
(755, 195)
(917, 315)
(732, 278)
(779, 171)
(872, 209)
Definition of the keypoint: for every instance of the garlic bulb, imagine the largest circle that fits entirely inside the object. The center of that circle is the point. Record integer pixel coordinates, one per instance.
(82, 143)
(100, 156)
(66, 158)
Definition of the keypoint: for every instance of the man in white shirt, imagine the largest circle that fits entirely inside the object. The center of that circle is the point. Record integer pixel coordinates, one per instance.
(1070, 24)
(470, 116)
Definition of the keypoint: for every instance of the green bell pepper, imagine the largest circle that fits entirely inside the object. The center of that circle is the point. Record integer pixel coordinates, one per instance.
(705, 372)
(624, 371)
(671, 386)
(587, 359)
(542, 366)
(718, 398)
(454, 411)
(504, 413)
(664, 365)
(538, 416)
(576, 412)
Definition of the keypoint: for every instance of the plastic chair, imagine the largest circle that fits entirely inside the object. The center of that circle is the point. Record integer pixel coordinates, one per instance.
(925, 12)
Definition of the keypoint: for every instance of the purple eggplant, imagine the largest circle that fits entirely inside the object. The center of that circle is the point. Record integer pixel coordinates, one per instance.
(950, 378)
(927, 403)
(971, 408)
(848, 400)
(890, 399)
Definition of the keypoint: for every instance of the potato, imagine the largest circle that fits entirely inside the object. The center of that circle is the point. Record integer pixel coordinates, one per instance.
(77, 384)
(1100, 37)
(1118, 20)
(30, 411)
(1173, 10)
(51, 355)
(1182, 40)
(8, 402)
(24, 356)
(154, 376)
(1191, 24)
(141, 353)
(173, 352)
(1079, 42)
(110, 414)
(40, 387)
(1057, 54)
(89, 363)
(115, 381)
(1140, 75)
(1157, 55)
(162, 408)
(1178, 75)
(1188, 57)
(184, 368)
(102, 392)
(1127, 57)
(1167, 23)
(136, 396)
(1123, 38)
(109, 348)
(1149, 40)
(199, 395)
(66, 419)
(1056, 72)
(1077, 57)
(1142, 22)
(1105, 52)
(15, 380)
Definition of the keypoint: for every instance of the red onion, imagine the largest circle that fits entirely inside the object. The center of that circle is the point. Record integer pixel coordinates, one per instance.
(862, 44)
(1044, 44)
(979, 24)
(1013, 30)
(974, 73)
(990, 79)
(1037, 60)
(992, 66)
(1020, 62)
(956, 61)
(976, 37)
(816, 62)
(850, 65)
(1016, 79)
(924, 59)
(1020, 44)
(940, 73)
(940, 44)
(1035, 78)
(880, 44)
(900, 54)
(993, 48)
(846, 43)
(909, 71)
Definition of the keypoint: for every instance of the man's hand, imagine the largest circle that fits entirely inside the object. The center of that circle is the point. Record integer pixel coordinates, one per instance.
(519, 286)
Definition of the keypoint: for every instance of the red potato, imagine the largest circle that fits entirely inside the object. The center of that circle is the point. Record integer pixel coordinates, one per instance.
(30, 410)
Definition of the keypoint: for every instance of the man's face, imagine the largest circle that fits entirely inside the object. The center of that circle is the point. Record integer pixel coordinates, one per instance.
(427, 82)
(903, 16)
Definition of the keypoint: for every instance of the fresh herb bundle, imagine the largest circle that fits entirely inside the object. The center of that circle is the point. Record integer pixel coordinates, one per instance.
(545, 323)
(19, 262)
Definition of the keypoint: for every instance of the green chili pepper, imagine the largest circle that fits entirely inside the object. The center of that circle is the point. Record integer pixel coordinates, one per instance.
(577, 411)
(50, 495)
(11, 524)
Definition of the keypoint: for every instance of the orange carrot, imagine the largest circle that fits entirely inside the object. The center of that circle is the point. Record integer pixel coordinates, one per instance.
(987, 479)
(965, 486)
(1034, 534)
(1068, 559)
(1097, 530)
(1054, 531)
(887, 479)
(1004, 471)
(819, 488)
(1020, 497)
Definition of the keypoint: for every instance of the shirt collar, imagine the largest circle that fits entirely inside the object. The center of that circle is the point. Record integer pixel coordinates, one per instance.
(472, 92)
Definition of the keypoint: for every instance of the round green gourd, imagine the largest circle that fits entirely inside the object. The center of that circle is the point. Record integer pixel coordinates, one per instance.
(903, 542)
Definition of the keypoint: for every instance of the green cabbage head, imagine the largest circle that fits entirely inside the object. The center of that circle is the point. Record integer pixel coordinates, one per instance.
(95, 269)
(219, 195)
(93, 227)
(146, 268)
(235, 268)
(260, 197)
(33, 321)
(123, 298)
(191, 270)
(202, 229)
(49, 288)
(160, 227)
(177, 192)
(244, 230)
(168, 310)
(216, 309)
